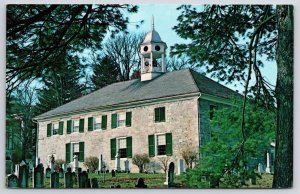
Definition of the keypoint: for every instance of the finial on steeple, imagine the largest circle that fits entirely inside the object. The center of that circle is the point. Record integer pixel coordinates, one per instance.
(152, 23)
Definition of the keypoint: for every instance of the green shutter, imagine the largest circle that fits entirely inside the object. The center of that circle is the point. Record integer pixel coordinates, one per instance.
(129, 147)
(113, 148)
(81, 151)
(156, 115)
(104, 122)
(49, 129)
(90, 123)
(69, 126)
(162, 114)
(68, 153)
(81, 125)
(114, 120)
(169, 150)
(151, 145)
(61, 128)
(128, 119)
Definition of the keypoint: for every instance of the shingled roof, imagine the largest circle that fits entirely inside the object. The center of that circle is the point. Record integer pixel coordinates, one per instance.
(169, 84)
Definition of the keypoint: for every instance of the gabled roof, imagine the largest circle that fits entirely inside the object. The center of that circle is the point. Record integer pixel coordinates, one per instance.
(169, 84)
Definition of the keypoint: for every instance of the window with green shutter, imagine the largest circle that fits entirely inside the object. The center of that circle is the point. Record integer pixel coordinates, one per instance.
(159, 114)
(104, 122)
(69, 126)
(169, 150)
(81, 152)
(128, 119)
(81, 125)
(90, 123)
(49, 129)
(61, 128)
(129, 147)
(114, 120)
(68, 153)
(151, 145)
(112, 148)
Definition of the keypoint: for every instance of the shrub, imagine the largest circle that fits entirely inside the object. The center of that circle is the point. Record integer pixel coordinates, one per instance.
(91, 163)
(58, 164)
(140, 160)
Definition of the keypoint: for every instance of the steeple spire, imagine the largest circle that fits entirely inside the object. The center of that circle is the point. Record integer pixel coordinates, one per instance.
(152, 23)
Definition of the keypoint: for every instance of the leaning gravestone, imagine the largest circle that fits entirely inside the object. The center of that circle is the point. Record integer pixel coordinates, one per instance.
(54, 180)
(171, 174)
(68, 179)
(38, 176)
(61, 173)
(23, 175)
(82, 179)
(8, 166)
(94, 183)
(48, 172)
(140, 183)
(12, 181)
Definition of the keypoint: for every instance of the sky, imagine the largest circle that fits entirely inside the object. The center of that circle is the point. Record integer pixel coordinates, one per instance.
(165, 18)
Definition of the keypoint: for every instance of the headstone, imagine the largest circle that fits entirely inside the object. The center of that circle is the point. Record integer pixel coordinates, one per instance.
(268, 164)
(100, 165)
(126, 164)
(61, 173)
(180, 166)
(75, 164)
(48, 172)
(82, 179)
(118, 186)
(8, 166)
(113, 173)
(23, 175)
(94, 183)
(117, 162)
(171, 174)
(88, 183)
(17, 168)
(140, 183)
(54, 180)
(37, 161)
(75, 177)
(64, 167)
(68, 178)
(12, 181)
(38, 176)
(259, 168)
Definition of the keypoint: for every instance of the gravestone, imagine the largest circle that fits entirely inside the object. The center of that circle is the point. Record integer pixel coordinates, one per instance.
(23, 175)
(75, 177)
(75, 164)
(17, 168)
(117, 162)
(48, 172)
(88, 183)
(61, 173)
(64, 167)
(82, 179)
(8, 166)
(113, 173)
(12, 181)
(68, 178)
(171, 174)
(54, 180)
(94, 183)
(140, 183)
(126, 164)
(38, 176)
(180, 166)
(79, 170)
(118, 186)
(52, 161)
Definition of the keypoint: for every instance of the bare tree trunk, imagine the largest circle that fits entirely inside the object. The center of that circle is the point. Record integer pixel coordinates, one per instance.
(283, 175)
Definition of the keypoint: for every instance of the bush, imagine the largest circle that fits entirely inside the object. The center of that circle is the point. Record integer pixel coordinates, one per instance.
(58, 164)
(91, 163)
(140, 160)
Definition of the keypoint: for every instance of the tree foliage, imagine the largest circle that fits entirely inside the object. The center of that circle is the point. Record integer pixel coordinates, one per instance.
(39, 34)
(91, 163)
(140, 160)
(219, 160)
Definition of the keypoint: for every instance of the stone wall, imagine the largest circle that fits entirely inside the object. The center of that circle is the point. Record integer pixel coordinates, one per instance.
(181, 121)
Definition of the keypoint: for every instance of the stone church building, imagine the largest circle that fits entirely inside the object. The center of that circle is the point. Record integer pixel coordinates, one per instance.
(158, 114)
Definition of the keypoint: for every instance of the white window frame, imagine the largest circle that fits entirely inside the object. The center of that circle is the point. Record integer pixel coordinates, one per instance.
(118, 144)
(72, 150)
(53, 128)
(156, 143)
(73, 126)
(100, 124)
(121, 123)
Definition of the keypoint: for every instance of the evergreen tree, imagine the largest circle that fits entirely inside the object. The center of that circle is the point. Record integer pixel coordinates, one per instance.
(104, 73)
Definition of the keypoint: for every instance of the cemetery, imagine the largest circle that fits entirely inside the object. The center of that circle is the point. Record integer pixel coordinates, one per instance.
(50, 177)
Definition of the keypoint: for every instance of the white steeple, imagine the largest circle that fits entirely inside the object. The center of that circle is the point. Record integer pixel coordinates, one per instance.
(153, 55)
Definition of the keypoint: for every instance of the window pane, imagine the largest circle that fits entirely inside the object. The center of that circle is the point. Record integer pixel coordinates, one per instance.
(76, 147)
(123, 153)
(76, 123)
(121, 123)
(97, 126)
(161, 150)
(161, 140)
(122, 143)
(98, 120)
(121, 116)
